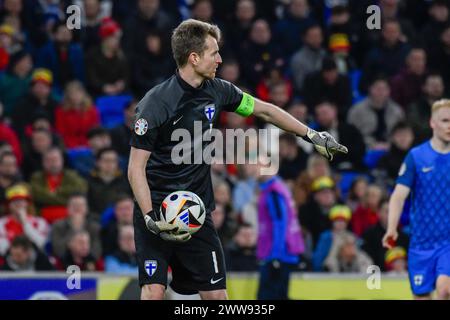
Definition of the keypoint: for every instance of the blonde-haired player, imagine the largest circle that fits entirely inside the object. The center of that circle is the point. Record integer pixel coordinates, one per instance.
(425, 176)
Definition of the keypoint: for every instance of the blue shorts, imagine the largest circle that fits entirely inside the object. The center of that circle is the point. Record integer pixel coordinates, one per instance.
(425, 266)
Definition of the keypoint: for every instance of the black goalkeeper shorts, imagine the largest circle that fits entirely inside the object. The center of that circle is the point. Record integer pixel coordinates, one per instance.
(197, 265)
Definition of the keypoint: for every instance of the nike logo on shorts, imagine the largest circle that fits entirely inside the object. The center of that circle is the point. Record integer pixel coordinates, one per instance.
(215, 281)
(427, 169)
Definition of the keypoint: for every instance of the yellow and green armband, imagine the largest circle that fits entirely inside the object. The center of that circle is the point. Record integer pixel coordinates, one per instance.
(247, 105)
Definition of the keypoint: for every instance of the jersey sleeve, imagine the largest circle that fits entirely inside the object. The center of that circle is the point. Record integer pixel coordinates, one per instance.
(146, 125)
(230, 96)
(407, 172)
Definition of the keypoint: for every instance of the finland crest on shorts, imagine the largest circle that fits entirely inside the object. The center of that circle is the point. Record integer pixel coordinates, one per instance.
(150, 266)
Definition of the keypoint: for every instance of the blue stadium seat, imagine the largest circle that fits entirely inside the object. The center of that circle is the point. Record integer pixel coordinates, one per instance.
(346, 181)
(75, 153)
(372, 157)
(111, 109)
(107, 216)
(355, 77)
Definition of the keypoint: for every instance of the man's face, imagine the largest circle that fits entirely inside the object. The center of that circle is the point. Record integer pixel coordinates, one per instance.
(391, 33)
(299, 111)
(379, 91)
(148, 7)
(203, 11)
(279, 95)
(108, 163)
(218, 217)
(230, 72)
(314, 38)
(124, 211)
(440, 123)
(77, 206)
(24, 66)
(63, 35)
(325, 197)
(417, 61)
(348, 251)
(399, 265)
(113, 41)
(17, 205)
(298, 8)
(445, 37)
(439, 13)
(91, 8)
(330, 76)
(340, 225)
(100, 141)
(20, 255)
(41, 141)
(210, 59)
(434, 87)
(41, 90)
(286, 149)
(13, 6)
(403, 139)
(245, 237)
(326, 115)
(53, 162)
(8, 167)
(260, 32)
(126, 240)
(245, 10)
(80, 245)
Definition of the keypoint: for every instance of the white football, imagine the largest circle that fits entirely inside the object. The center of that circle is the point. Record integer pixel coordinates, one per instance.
(184, 209)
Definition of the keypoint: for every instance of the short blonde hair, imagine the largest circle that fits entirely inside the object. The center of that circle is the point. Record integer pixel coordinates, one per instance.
(443, 103)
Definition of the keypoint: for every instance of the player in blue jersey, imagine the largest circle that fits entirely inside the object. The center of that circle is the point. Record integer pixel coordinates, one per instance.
(425, 175)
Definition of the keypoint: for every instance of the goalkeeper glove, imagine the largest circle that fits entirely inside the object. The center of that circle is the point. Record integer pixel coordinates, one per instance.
(163, 229)
(324, 143)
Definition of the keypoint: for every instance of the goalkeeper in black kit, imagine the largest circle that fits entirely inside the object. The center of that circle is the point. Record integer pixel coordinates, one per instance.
(192, 94)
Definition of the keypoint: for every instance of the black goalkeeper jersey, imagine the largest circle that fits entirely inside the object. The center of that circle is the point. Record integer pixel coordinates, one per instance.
(172, 105)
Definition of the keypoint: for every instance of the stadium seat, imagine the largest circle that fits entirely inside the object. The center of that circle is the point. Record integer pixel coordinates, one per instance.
(75, 153)
(372, 157)
(111, 109)
(107, 216)
(355, 76)
(346, 182)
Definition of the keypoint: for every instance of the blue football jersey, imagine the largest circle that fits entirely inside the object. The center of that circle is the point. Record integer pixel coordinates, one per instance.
(427, 173)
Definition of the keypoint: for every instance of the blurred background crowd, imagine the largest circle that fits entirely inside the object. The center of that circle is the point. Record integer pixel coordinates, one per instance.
(67, 100)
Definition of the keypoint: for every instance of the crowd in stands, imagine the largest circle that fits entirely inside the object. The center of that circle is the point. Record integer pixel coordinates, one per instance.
(67, 100)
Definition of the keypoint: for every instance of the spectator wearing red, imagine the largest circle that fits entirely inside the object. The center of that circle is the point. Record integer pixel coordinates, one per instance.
(76, 116)
(396, 261)
(20, 219)
(107, 67)
(79, 253)
(53, 186)
(9, 175)
(9, 136)
(38, 102)
(23, 256)
(406, 85)
(6, 44)
(366, 215)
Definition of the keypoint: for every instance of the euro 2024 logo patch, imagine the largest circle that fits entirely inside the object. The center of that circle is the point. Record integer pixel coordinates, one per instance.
(141, 126)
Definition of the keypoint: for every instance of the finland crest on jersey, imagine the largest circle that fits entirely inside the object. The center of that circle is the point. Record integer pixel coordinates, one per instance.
(150, 267)
(210, 109)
